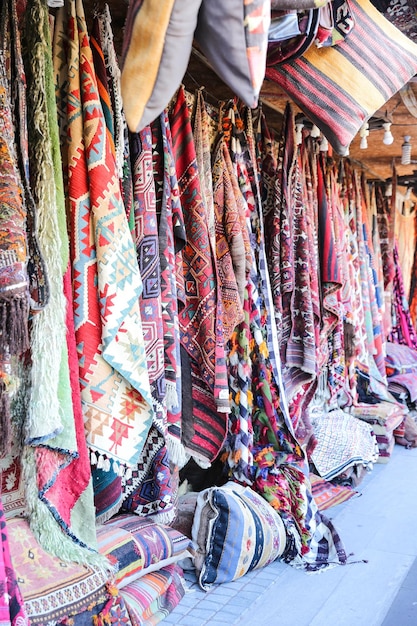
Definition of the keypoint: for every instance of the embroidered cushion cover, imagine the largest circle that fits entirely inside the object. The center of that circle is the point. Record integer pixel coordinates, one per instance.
(235, 530)
(340, 87)
(52, 589)
(140, 545)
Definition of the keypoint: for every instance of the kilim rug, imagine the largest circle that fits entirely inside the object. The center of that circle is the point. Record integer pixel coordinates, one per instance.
(201, 333)
(105, 39)
(115, 387)
(149, 488)
(327, 495)
(56, 471)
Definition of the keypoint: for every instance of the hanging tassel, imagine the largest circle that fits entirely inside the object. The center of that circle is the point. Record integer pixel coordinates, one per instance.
(14, 315)
(177, 454)
(5, 425)
(171, 395)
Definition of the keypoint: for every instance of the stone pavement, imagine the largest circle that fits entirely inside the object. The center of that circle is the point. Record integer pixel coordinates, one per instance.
(379, 526)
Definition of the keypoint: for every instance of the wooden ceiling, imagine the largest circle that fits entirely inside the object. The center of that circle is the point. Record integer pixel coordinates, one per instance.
(377, 159)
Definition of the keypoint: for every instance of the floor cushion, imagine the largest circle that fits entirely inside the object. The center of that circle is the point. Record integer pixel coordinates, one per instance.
(139, 546)
(234, 531)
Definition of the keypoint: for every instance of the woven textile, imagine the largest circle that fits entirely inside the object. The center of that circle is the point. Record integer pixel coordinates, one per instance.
(343, 441)
(340, 87)
(140, 546)
(201, 333)
(171, 234)
(292, 256)
(153, 597)
(115, 387)
(201, 134)
(327, 495)
(52, 588)
(147, 246)
(149, 488)
(14, 282)
(229, 238)
(402, 330)
(235, 531)
(12, 608)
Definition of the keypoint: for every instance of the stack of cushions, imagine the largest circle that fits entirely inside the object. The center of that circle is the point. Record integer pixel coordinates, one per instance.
(52, 589)
(385, 417)
(401, 368)
(139, 545)
(232, 34)
(145, 554)
(234, 531)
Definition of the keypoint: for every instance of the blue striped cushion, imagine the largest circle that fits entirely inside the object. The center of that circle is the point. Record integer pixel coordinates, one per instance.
(235, 530)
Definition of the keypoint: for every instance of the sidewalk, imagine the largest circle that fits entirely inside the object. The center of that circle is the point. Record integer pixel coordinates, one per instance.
(379, 526)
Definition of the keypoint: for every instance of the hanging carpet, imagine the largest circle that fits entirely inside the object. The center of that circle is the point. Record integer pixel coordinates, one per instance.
(115, 387)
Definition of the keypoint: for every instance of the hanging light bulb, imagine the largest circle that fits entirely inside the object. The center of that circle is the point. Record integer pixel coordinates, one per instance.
(388, 190)
(324, 144)
(299, 133)
(406, 151)
(363, 134)
(388, 138)
(315, 132)
(407, 195)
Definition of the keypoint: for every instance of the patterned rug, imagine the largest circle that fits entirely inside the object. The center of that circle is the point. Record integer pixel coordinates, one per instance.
(115, 389)
(327, 495)
(342, 441)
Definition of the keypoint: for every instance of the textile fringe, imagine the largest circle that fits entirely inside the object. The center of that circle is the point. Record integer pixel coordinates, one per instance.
(171, 395)
(14, 315)
(164, 517)
(201, 461)
(108, 514)
(46, 529)
(177, 454)
(5, 424)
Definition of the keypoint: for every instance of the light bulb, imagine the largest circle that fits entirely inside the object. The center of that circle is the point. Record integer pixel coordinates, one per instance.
(363, 134)
(388, 139)
(324, 144)
(407, 194)
(315, 131)
(299, 133)
(406, 151)
(388, 190)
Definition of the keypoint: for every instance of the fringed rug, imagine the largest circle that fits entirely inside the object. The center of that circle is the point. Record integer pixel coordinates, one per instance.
(115, 387)
(342, 441)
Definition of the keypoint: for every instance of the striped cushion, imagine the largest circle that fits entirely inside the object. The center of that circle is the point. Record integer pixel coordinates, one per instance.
(235, 530)
(151, 599)
(157, 43)
(340, 87)
(139, 546)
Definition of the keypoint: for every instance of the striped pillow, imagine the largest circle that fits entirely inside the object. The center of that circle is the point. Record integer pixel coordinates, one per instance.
(139, 545)
(340, 87)
(234, 531)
